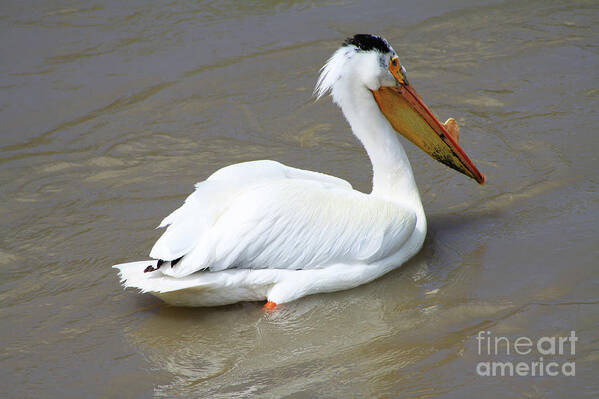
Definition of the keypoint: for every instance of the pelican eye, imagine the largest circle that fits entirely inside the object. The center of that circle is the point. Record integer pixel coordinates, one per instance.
(394, 62)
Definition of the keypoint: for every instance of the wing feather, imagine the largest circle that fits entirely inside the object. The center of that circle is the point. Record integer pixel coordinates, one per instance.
(188, 225)
(298, 224)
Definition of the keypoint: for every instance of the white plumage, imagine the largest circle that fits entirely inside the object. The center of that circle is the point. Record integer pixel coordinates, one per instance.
(262, 230)
(289, 220)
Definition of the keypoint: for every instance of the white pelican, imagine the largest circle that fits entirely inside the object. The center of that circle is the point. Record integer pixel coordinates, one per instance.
(261, 230)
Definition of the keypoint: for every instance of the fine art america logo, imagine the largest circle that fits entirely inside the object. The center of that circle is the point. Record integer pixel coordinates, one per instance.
(551, 355)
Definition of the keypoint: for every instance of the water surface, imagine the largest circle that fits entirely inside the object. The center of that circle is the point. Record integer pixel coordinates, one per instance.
(111, 111)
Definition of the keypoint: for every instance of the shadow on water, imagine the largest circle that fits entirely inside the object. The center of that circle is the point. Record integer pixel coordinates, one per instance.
(463, 221)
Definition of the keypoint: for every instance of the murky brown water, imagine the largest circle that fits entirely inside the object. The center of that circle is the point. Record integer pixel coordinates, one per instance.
(110, 112)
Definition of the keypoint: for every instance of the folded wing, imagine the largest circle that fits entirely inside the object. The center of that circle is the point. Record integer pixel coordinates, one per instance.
(266, 215)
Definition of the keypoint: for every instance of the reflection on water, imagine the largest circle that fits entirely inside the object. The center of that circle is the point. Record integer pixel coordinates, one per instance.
(111, 112)
(381, 329)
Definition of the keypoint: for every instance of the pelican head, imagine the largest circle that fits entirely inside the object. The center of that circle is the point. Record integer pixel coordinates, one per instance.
(366, 65)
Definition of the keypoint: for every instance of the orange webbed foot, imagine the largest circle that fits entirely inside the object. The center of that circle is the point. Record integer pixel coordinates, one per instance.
(269, 306)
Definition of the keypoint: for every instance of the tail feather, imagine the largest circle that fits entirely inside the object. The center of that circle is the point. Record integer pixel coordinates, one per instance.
(133, 275)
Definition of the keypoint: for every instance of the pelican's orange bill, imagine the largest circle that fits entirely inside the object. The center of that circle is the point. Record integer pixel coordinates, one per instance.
(409, 116)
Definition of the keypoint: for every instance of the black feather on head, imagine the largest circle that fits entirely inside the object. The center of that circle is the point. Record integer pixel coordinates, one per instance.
(367, 42)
